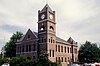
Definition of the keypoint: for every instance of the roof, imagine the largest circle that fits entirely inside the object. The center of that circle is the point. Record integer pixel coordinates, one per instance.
(35, 34)
(46, 7)
(61, 40)
(71, 41)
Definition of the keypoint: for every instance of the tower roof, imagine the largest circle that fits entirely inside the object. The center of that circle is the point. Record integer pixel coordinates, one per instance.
(46, 7)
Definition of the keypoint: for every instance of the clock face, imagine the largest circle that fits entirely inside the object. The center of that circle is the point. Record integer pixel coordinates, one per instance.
(42, 16)
(51, 16)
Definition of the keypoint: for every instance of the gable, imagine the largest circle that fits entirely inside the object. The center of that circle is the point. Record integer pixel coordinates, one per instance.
(46, 7)
(71, 41)
(29, 36)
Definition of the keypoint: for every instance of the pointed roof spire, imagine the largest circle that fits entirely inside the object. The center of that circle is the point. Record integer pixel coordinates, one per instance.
(46, 7)
(70, 40)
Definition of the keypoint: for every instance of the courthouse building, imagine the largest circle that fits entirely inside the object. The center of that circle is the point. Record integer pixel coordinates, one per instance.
(46, 40)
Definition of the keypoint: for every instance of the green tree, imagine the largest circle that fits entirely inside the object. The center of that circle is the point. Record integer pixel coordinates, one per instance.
(10, 47)
(44, 61)
(0, 55)
(89, 52)
(22, 61)
(4, 60)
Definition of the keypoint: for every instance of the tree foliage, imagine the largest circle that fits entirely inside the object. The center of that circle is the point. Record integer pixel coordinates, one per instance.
(44, 61)
(10, 47)
(89, 52)
(41, 61)
(21, 61)
(24, 61)
(4, 60)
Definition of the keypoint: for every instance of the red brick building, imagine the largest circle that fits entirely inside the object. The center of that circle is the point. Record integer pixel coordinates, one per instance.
(46, 40)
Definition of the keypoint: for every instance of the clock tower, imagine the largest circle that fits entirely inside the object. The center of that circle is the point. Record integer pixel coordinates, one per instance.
(47, 31)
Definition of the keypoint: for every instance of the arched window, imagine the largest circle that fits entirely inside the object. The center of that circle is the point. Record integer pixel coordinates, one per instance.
(51, 28)
(42, 28)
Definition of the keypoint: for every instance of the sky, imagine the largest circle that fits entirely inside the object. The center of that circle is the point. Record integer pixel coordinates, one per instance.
(79, 19)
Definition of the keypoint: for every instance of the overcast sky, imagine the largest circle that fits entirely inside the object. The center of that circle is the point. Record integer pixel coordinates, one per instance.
(79, 19)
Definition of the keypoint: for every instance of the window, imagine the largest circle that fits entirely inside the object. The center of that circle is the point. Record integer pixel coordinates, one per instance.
(65, 59)
(20, 49)
(29, 48)
(17, 49)
(65, 49)
(42, 39)
(59, 58)
(51, 28)
(26, 48)
(45, 40)
(56, 59)
(50, 53)
(51, 39)
(39, 40)
(42, 28)
(33, 47)
(29, 37)
(61, 48)
(62, 59)
(68, 49)
(68, 59)
(23, 48)
(53, 53)
(58, 48)
(75, 51)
